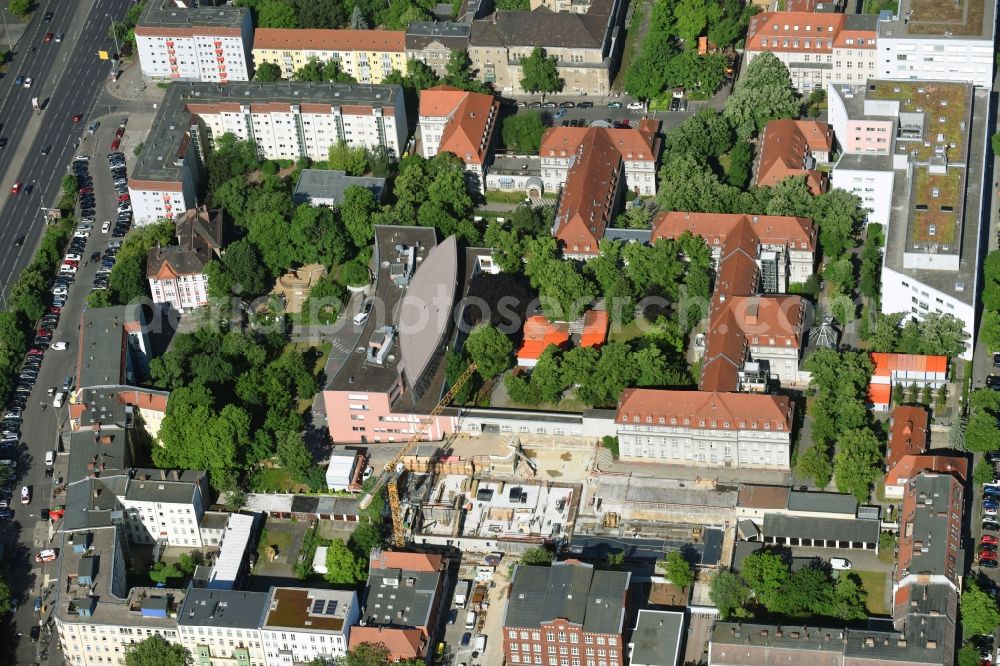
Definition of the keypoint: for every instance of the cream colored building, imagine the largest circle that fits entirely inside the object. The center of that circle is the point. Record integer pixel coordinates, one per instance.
(367, 55)
(586, 46)
(222, 627)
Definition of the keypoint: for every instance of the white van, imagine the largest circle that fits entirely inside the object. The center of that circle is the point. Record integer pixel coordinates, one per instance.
(50, 458)
(470, 620)
(479, 647)
(57, 401)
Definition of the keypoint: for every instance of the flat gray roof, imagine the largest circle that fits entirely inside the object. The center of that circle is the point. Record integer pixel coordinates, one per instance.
(931, 523)
(581, 594)
(322, 184)
(159, 158)
(166, 486)
(656, 640)
(808, 527)
(799, 500)
(100, 357)
(166, 14)
(407, 601)
(419, 34)
(223, 608)
(864, 162)
(934, 19)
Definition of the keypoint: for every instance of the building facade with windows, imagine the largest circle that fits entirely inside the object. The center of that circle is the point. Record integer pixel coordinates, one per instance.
(176, 273)
(569, 613)
(586, 46)
(165, 505)
(367, 55)
(182, 41)
(817, 48)
(704, 428)
(638, 146)
(286, 120)
(462, 123)
(223, 627)
(302, 624)
(432, 42)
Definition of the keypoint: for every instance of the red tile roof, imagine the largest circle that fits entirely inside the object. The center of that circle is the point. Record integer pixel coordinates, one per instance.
(538, 334)
(637, 143)
(908, 435)
(798, 233)
(705, 410)
(588, 199)
(402, 643)
(595, 328)
(784, 147)
(879, 394)
(909, 466)
(804, 32)
(886, 364)
(386, 559)
(471, 120)
(301, 39)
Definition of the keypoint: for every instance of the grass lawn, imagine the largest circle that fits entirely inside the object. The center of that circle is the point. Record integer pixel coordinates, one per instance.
(874, 583)
(277, 480)
(632, 39)
(634, 329)
(505, 197)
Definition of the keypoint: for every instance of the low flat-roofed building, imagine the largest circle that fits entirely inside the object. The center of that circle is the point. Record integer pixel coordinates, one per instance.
(812, 532)
(223, 626)
(904, 370)
(232, 565)
(322, 187)
(301, 624)
(657, 638)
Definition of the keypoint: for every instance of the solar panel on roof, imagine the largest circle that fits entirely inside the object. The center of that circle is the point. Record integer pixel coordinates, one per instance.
(331, 607)
(318, 606)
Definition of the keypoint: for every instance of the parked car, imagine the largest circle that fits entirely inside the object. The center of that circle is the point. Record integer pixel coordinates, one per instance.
(840, 564)
(47, 555)
(25, 495)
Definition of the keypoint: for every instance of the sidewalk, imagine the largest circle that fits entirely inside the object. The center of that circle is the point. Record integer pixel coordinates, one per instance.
(132, 87)
(16, 27)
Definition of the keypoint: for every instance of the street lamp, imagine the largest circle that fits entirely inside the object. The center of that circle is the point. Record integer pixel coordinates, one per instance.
(114, 34)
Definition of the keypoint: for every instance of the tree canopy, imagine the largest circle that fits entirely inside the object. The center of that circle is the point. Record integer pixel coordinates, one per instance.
(522, 132)
(540, 73)
(156, 651)
(490, 350)
(978, 609)
(763, 93)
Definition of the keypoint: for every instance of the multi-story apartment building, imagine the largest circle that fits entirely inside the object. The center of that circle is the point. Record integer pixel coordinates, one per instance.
(793, 148)
(432, 42)
(182, 41)
(703, 428)
(586, 46)
(590, 198)
(367, 55)
(402, 602)
(302, 624)
(569, 609)
(223, 627)
(935, 42)
(462, 123)
(817, 48)
(934, 134)
(165, 505)
(176, 273)
(285, 120)
(638, 146)
(576, 6)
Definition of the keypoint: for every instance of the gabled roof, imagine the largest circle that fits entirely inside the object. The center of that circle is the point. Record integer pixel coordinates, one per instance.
(910, 465)
(538, 334)
(784, 147)
(545, 28)
(809, 32)
(588, 200)
(402, 643)
(887, 364)
(302, 39)
(705, 410)
(595, 328)
(637, 143)
(798, 233)
(200, 237)
(471, 118)
(420, 562)
(909, 433)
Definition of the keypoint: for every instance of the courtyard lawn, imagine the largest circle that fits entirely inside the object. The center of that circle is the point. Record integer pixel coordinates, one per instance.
(874, 583)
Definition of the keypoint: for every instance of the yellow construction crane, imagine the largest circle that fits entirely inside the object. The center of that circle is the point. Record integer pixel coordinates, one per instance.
(394, 468)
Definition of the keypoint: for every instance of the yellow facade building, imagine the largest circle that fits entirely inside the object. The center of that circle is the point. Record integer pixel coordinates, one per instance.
(367, 55)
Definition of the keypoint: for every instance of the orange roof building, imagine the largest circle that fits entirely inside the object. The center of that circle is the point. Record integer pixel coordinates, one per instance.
(908, 435)
(910, 465)
(453, 120)
(817, 47)
(704, 428)
(595, 328)
(791, 148)
(639, 147)
(538, 334)
(906, 370)
(590, 197)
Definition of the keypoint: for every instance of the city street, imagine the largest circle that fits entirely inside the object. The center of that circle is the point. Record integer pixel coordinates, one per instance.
(66, 78)
(41, 425)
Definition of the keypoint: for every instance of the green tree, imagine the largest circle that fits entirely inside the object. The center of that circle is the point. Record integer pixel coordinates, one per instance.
(942, 333)
(840, 273)
(994, 142)
(522, 132)
(27, 294)
(677, 569)
(646, 77)
(311, 71)
(267, 72)
(352, 160)
(540, 73)
(978, 610)
(729, 594)
(857, 463)
(815, 463)
(19, 8)
(705, 135)
(563, 290)
(692, 18)
(764, 93)
(358, 20)
(849, 599)
(700, 76)
(991, 281)
(512, 5)
(241, 271)
(807, 592)
(990, 329)
(334, 73)
(983, 472)
(537, 556)
(968, 655)
(740, 165)
(156, 651)
(460, 74)
(490, 350)
(343, 566)
(364, 539)
(766, 574)
(276, 14)
(373, 654)
(294, 456)
(4, 597)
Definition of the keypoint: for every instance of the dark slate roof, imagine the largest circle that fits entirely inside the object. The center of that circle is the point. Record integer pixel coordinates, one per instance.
(656, 640)
(199, 240)
(807, 527)
(822, 502)
(223, 608)
(577, 592)
(420, 34)
(326, 184)
(544, 28)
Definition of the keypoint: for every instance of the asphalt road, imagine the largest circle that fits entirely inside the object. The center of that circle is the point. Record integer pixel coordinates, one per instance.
(70, 76)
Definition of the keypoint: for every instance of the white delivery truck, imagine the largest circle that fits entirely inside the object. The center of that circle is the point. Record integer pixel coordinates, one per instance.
(470, 620)
(462, 592)
(477, 651)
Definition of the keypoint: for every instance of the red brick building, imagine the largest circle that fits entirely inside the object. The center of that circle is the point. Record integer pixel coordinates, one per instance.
(569, 614)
